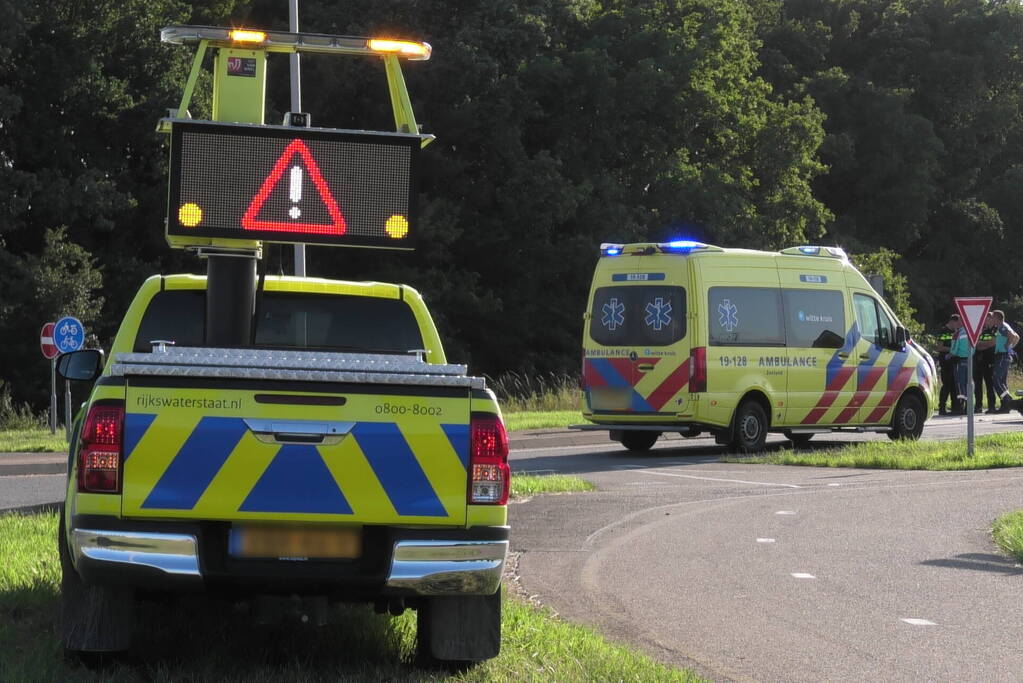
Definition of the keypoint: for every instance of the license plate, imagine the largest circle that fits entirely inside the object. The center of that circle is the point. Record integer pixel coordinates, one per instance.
(295, 542)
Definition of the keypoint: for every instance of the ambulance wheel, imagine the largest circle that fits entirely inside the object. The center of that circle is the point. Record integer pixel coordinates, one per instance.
(908, 420)
(749, 431)
(94, 620)
(798, 440)
(455, 631)
(639, 441)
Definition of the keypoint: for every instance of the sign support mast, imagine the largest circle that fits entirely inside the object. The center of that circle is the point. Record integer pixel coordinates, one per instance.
(296, 105)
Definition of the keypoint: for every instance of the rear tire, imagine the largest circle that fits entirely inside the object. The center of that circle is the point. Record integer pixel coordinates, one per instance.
(639, 441)
(93, 619)
(749, 428)
(458, 630)
(908, 420)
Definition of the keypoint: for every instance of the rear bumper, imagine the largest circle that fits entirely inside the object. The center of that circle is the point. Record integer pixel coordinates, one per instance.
(405, 562)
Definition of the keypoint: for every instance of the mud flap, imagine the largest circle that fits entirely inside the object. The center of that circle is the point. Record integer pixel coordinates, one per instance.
(464, 628)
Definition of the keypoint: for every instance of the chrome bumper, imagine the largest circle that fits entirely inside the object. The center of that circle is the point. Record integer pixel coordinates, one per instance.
(176, 554)
(447, 567)
(417, 567)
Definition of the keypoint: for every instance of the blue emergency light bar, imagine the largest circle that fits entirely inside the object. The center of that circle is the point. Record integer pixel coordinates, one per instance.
(681, 246)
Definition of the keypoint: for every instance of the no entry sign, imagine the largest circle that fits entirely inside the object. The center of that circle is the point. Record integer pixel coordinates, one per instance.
(46, 344)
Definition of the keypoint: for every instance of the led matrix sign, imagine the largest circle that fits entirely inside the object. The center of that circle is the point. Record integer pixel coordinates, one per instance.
(280, 184)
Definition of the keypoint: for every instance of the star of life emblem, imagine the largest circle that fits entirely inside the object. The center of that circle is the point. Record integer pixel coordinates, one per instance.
(658, 314)
(727, 317)
(613, 314)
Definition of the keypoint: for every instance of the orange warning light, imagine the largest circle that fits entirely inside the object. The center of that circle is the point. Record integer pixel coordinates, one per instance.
(189, 215)
(406, 48)
(396, 226)
(239, 35)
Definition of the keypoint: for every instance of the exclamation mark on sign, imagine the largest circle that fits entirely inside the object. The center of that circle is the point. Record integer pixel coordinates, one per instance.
(295, 191)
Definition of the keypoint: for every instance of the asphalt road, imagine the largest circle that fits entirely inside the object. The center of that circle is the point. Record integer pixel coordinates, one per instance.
(23, 490)
(767, 573)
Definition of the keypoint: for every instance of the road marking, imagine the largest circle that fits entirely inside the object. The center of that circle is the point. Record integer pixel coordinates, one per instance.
(785, 512)
(834, 484)
(801, 575)
(919, 622)
(765, 540)
(732, 481)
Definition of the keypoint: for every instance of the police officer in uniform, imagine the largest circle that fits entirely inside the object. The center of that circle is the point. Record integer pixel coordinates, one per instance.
(947, 366)
(960, 353)
(983, 368)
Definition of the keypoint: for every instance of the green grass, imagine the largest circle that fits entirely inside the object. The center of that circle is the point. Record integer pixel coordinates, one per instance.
(32, 441)
(541, 394)
(516, 422)
(191, 640)
(1007, 531)
(531, 485)
(993, 451)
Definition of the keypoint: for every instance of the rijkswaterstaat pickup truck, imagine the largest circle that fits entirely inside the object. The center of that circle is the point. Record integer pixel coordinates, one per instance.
(338, 457)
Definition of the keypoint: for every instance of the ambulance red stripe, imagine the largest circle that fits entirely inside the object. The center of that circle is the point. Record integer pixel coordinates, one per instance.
(866, 383)
(671, 385)
(828, 397)
(894, 391)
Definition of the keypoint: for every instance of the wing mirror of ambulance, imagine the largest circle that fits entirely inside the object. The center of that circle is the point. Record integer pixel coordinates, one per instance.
(901, 337)
(81, 366)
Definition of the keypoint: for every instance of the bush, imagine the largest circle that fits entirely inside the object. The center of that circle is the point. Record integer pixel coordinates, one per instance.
(18, 416)
(545, 393)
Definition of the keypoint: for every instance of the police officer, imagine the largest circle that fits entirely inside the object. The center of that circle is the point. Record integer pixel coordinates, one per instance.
(1005, 338)
(984, 367)
(947, 366)
(960, 353)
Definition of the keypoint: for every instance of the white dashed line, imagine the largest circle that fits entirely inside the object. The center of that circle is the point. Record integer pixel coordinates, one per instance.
(919, 622)
(801, 575)
(834, 484)
(731, 481)
(785, 512)
(765, 540)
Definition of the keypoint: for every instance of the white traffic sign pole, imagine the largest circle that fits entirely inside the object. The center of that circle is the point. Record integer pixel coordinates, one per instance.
(969, 402)
(67, 409)
(53, 395)
(296, 105)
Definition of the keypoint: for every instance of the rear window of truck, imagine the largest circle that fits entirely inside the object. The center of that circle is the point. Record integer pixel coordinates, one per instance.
(290, 320)
(638, 315)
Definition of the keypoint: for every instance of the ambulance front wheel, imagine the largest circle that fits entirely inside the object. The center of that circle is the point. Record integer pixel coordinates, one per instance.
(908, 420)
(749, 430)
(639, 441)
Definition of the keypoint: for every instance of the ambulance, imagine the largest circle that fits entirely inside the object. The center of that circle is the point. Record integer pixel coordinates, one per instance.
(691, 338)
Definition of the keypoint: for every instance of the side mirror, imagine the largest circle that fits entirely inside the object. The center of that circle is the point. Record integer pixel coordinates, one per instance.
(81, 366)
(901, 336)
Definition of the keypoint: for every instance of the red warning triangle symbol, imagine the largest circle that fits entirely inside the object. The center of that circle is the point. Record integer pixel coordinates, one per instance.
(336, 226)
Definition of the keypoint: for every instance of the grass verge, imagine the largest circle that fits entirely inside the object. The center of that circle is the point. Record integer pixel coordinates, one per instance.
(192, 640)
(531, 485)
(1007, 531)
(516, 422)
(990, 452)
(32, 441)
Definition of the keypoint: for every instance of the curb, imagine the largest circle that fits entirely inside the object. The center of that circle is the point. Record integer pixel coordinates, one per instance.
(20, 464)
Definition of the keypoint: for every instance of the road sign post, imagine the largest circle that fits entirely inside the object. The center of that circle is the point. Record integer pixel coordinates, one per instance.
(50, 352)
(69, 335)
(973, 312)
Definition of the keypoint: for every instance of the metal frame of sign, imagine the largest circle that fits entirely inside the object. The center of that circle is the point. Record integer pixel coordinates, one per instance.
(285, 133)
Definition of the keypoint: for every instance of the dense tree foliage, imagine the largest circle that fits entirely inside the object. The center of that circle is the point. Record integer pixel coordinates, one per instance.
(888, 127)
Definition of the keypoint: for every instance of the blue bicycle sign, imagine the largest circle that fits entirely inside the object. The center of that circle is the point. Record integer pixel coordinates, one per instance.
(68, 334)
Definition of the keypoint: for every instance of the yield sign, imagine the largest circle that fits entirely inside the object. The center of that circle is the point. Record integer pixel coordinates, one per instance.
(288, 220)
(973, 311)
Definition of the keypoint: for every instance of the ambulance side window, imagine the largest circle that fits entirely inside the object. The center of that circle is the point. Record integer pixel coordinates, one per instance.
(745, 316)
(814, 319)
(874, 324)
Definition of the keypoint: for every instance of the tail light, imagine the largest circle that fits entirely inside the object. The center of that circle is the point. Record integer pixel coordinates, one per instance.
(99, 456)
(698, 369)
(489, 474)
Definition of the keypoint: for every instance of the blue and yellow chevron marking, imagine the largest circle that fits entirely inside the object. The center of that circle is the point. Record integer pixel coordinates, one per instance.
(378, 473)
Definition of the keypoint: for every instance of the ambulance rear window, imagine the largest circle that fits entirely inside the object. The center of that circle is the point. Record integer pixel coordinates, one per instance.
(638, 315)
(291, 320)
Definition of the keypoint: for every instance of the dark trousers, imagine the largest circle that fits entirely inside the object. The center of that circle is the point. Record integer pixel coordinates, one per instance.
(948, 384)
(983, 376)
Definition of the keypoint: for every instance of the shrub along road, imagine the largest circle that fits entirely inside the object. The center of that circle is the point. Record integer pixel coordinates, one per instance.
(767, 573)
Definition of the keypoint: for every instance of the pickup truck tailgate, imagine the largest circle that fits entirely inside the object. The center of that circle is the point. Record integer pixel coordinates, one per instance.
(221, 434)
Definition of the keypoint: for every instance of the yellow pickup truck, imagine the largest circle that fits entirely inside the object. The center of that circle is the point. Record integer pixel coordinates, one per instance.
(338, 457)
